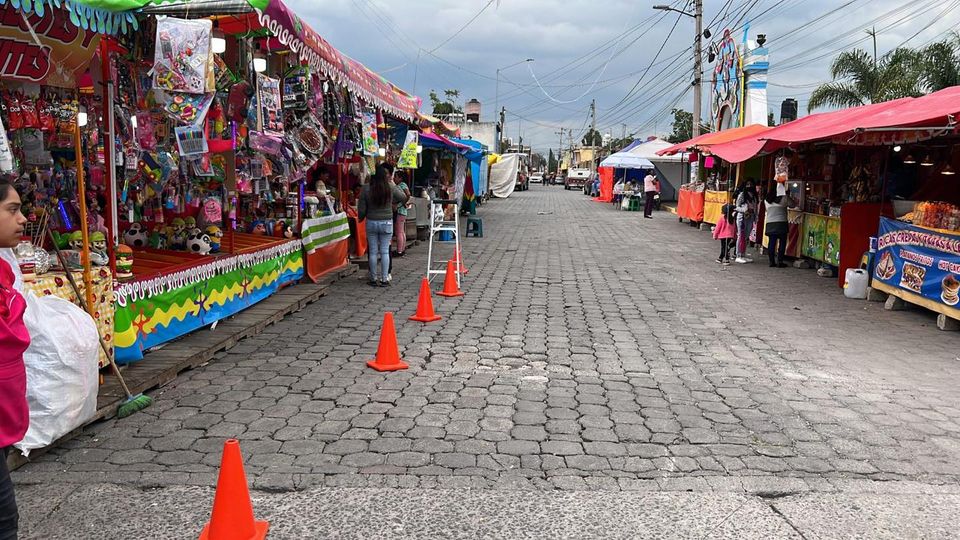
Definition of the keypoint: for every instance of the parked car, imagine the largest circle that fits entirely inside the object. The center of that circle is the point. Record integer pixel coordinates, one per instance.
(576, 178)
(536, 179)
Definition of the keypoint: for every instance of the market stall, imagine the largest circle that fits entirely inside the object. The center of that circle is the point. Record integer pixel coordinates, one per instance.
(672, 170)
(51, 116)
(624, 161)
(238, 128)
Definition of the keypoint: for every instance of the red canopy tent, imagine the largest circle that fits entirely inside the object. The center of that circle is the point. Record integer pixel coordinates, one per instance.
(853, 125)
(716, 137)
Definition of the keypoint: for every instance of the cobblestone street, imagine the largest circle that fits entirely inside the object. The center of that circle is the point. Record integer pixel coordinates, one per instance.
(594, 350)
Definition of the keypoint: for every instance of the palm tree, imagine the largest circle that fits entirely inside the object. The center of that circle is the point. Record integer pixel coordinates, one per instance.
(939, 64)
(859, 79)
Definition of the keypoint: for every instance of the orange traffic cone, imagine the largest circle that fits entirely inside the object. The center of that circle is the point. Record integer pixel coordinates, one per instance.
(425, 312)
(450, 286)
(232, 515)
(388, 354)
(458, 259)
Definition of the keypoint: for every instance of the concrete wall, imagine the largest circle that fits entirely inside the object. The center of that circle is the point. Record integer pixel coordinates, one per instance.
(483, 132)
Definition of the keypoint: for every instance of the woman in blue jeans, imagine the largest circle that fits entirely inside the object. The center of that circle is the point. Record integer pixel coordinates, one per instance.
(376, 206)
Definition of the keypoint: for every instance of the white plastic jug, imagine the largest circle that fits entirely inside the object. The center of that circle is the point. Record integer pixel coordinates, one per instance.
(855, 283)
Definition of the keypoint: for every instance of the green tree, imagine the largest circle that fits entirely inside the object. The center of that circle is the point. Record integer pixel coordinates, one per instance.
(939, 63)
(770, 119)
(592, 138)
(682, 126)
(552, 163)
(859, 79)
(447, 105)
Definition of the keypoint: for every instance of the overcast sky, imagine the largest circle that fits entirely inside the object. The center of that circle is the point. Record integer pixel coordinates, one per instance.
(600, 49)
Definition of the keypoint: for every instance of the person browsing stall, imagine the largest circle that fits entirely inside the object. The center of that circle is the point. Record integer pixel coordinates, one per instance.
(14, 340)
(401, 219)
(376, 206)
(776, 226)
(746, 201)
(650, 191)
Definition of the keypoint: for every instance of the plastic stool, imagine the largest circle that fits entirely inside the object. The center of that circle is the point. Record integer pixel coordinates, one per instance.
(634, 204)
(475, 227)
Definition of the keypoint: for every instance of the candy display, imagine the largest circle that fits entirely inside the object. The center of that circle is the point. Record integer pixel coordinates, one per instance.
(935, 215)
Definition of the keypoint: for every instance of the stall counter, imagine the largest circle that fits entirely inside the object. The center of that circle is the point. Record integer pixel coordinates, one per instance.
(56, 284)
(690, 205)
(326, 244)
(713, 202)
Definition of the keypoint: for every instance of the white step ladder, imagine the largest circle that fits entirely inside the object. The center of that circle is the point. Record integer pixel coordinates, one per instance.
(437, 225)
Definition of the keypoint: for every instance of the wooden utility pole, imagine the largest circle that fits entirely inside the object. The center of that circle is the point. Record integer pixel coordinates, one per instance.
(592, 134)
(503, 113)
(560, 149)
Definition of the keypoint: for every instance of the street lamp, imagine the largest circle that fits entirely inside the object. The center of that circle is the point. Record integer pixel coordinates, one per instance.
(697, 66)
(496, 103)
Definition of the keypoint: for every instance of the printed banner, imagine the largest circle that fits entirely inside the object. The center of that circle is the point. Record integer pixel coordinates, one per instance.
(408, 155)
(920, 261)
(63, 55)
(371, 146)
(153, 312)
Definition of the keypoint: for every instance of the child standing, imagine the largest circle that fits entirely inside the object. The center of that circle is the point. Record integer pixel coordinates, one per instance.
(725, 232)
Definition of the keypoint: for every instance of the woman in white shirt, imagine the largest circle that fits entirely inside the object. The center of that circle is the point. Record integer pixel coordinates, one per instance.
(776, 225)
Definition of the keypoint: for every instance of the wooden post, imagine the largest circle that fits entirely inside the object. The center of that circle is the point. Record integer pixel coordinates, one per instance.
(84, 229)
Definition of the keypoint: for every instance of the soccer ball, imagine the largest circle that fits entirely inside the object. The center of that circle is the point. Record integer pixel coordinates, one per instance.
(135, 236)
(198, 242)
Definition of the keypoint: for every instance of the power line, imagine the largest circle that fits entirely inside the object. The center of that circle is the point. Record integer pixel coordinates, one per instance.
(462, 28)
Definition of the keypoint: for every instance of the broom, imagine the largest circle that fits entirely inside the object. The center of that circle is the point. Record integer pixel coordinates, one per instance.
(133, 403)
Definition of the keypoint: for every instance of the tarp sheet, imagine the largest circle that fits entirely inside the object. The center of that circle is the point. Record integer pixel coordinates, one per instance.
(606, 184)
(503, 175)
(809, 128)
(626, 160)
(717, 137)
(478, 164)
(649, 148)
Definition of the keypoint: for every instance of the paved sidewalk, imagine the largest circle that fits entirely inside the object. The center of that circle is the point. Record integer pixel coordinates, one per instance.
(594, 350)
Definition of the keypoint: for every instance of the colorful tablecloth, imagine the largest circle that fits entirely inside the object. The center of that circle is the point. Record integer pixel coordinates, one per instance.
(690, 205)
(326, 243)
(56, 284)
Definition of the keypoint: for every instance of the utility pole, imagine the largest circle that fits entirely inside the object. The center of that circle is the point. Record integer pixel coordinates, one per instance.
(503, 113)
(624, 132)
(697, 65)
(560, 149)
(697, 52)
(593, 130)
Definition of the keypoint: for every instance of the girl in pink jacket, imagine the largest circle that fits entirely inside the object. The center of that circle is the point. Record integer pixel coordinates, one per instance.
(725, 232)
(14, 339)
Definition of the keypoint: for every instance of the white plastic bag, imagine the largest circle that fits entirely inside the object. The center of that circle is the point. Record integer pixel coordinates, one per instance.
(62, 369)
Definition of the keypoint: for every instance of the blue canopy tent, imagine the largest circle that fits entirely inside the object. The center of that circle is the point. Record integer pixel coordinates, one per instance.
(478, 164)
